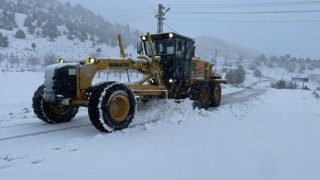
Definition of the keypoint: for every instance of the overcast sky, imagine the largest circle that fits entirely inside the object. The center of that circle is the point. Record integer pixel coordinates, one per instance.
(187, 17)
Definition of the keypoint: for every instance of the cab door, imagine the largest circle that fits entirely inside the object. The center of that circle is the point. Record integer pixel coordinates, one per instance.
(183, 60)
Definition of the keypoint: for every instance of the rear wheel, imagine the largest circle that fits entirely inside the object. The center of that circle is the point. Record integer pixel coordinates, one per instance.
(111, 107)
(215, 94)
(52, 113)
(200, 93)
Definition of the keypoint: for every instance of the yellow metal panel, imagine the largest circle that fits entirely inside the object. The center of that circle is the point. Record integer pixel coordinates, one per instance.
(86, 75)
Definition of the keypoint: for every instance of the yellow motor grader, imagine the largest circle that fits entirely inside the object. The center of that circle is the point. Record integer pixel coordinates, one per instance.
(170, 68)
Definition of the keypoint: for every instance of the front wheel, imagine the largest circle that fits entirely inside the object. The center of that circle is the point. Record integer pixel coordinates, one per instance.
(57, 113)
(37, 103)
(52, 113)
(112, 107)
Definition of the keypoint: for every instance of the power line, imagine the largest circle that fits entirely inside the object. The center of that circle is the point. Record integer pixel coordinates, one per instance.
(246, 21)
(288, 3)
(132, 16)
(252, 12)
(131, 13)
(128, 18)
(170, 28)
(135, 20)
(148, 12)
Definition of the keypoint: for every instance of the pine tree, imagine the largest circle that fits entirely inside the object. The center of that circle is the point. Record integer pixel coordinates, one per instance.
(4, 42)
(92, 38)
(1, 58)
(8, 20)
(99, 50)
(31, 29)
(241, 74)
(39, 24)
(50, 29)
(20, 34)
(70, 37)
(257, 73)
(33, 45)
(236, 76)
(27, 21)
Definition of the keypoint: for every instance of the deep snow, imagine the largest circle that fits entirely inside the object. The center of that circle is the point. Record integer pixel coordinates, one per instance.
(272, 136)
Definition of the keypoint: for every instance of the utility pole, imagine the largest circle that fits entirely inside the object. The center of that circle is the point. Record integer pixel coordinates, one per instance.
(216, 59)
(216, 56)
(160, 16)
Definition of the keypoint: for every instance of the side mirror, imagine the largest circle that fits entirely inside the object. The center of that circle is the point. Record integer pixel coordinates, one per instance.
(139, 48)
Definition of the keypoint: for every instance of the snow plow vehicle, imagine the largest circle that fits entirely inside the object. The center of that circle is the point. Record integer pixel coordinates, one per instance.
(170, 68)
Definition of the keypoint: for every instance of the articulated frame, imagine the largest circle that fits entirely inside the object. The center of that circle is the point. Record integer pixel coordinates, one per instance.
(144, 64)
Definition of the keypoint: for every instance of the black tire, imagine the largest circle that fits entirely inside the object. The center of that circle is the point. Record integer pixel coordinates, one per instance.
(52, 113)
(57, 113)
(200, 92)
(37, 103)
(215, 93)
(104, 110)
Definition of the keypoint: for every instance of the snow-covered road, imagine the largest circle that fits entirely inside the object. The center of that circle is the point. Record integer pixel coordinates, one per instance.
(254, 134)
(82, 123)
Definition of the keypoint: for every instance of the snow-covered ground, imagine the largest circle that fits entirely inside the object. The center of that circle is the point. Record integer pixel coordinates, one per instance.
(250, 136)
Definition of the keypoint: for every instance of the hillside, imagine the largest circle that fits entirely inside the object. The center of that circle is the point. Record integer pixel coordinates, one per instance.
(34, 31)
(31, 30)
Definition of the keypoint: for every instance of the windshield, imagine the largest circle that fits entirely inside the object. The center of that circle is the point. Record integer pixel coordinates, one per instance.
(161, 47)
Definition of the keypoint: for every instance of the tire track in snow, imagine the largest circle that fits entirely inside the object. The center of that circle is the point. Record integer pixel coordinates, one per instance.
(231, 98)
(18, 125)
(42, 132)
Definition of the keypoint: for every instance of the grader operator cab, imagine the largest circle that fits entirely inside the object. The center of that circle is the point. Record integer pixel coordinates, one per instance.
(170, 68)
(175, 52)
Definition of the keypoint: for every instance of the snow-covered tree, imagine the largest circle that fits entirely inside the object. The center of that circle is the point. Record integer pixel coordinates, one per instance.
(4, 42)
(50, 58)
(33, 61)
(8, 20)
(14, 60)
(27, 21)
(257, 73)
(33, 45)
(20, 34)
(236, 76)
(31, 29)
(50, 30)
(99, 50)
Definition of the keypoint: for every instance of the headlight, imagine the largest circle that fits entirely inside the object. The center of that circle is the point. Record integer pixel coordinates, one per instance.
(170, 80)
(91, 60)
(60, 60)
(171, 35)
(143, 38)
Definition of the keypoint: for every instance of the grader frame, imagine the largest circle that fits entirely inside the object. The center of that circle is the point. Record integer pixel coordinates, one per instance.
(111, 105)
